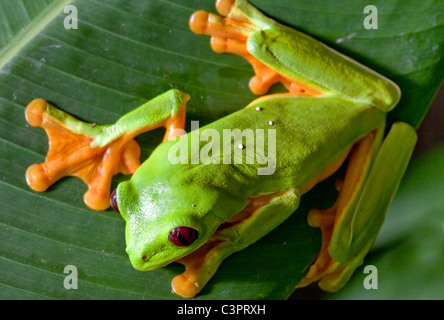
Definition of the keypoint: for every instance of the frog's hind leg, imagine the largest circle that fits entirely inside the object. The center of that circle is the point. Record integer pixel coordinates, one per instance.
(229, 34)
(95, 153)
(325, 267)
(351, 225)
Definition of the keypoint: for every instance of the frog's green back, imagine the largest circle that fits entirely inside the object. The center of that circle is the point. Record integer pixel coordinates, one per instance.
(303, 126)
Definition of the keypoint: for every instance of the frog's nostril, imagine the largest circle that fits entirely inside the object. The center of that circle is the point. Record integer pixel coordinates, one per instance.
(144, 257)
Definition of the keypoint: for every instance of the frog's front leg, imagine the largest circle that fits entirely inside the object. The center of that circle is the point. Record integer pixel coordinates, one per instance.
(229, 34)
(95, 153)
(261, 215)
(350, 227)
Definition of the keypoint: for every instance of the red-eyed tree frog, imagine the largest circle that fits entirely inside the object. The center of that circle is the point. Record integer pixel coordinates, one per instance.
(198, 213)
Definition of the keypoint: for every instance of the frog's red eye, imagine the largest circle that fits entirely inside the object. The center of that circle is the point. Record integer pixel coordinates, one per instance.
(183, 236)
(114, 201)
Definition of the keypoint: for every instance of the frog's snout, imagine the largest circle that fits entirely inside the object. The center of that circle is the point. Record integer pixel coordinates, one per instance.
(139, 262)
(138, 258)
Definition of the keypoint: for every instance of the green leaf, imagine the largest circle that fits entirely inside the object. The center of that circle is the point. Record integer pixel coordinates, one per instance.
(126, 52)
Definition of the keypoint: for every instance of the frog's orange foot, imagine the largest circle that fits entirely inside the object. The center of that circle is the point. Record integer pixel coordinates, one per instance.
(330, 274)
(184, 286)
(324, 264)
(229, 34)
(72, 153)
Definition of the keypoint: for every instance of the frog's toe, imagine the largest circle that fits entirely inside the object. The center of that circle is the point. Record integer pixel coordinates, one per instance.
(199, 22)
(37, 178)
(184, 286)
(219, 45)
(321, 218)
(261, 83)
(97, 199)
(35, 111)
(224, 7)
(202, 22)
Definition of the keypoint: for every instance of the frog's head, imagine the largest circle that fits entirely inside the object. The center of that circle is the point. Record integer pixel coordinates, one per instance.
(167, 216)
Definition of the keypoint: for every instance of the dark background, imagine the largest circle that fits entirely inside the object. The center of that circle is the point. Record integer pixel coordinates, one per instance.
(431, 131)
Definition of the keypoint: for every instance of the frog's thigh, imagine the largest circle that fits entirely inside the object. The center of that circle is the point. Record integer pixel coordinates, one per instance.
(260, 216)
(350, 227)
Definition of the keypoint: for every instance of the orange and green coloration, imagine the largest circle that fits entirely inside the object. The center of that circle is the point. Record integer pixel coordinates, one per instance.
(334, 112)
(95, 153)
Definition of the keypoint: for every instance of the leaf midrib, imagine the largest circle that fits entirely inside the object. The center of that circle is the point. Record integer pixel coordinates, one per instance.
(27, 34)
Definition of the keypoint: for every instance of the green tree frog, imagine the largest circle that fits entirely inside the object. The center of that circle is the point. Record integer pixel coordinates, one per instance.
(199, 213)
